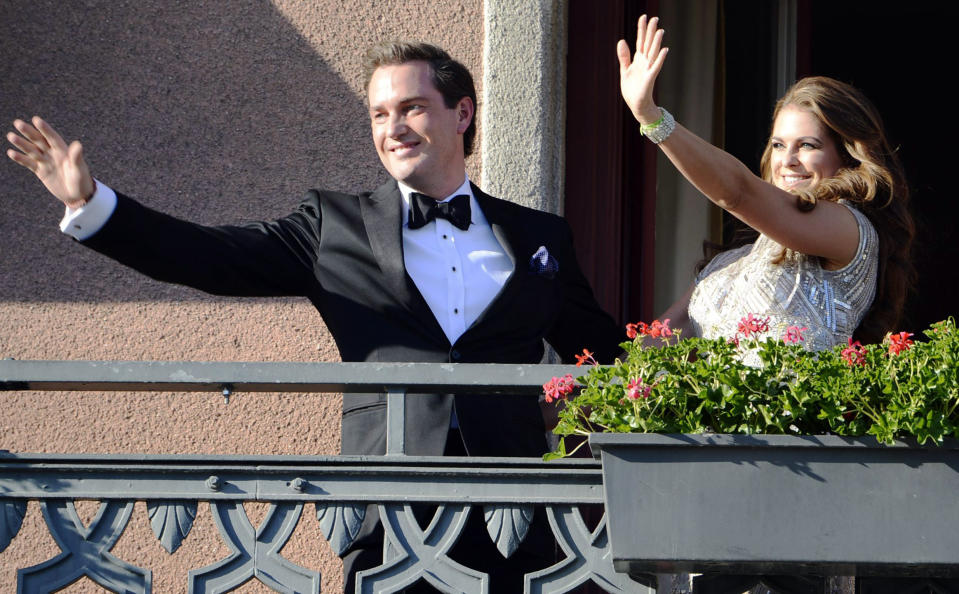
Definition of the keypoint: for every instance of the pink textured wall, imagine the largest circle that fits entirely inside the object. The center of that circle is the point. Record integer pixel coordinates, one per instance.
(213, 111)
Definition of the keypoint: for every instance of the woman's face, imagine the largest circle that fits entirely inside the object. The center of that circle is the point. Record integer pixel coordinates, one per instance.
(803, 152)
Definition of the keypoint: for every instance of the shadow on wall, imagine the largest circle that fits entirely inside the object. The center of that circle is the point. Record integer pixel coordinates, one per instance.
(214, 112)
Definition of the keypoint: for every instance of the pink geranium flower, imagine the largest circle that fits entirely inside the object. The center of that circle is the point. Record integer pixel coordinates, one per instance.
(558, 387)
(794, 334)
(750, 325)
(636, 389)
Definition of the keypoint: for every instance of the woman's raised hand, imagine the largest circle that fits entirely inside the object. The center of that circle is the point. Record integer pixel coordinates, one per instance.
(61, 168)
(637, 76)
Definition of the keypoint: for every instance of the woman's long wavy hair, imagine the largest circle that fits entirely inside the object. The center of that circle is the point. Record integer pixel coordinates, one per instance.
(872, 178)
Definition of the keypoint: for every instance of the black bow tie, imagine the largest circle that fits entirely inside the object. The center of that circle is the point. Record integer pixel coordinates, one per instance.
(424, 209)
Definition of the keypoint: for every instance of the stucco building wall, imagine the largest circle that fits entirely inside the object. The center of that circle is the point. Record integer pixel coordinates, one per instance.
(217, 112)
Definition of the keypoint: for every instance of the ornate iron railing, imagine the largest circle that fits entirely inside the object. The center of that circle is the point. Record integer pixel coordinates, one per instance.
(340, 487)
(505, 490)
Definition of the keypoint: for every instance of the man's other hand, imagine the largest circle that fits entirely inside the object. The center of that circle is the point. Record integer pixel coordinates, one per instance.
(60, 167)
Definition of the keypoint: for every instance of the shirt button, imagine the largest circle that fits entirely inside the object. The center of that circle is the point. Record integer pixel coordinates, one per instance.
(454, 269)
(456, 310)
(455, 355)
(444, 236)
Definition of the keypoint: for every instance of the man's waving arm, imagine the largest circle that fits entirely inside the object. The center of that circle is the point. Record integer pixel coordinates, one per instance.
(258, 259)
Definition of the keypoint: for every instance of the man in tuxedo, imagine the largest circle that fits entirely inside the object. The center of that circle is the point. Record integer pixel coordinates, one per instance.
(426, 268)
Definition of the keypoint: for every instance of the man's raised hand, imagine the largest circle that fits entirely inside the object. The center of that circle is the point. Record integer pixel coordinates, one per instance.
(637, 76)
(61, 168)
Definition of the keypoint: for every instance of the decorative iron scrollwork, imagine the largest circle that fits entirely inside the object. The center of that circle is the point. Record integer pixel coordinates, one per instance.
(587, 557)
(256, 552)
(85, 551)
(340, 524)
(507, 525)
(12, 512)
(416, 554)
(171, 521)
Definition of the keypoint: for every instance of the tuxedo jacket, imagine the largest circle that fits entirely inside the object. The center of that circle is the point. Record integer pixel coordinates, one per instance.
(345, 254)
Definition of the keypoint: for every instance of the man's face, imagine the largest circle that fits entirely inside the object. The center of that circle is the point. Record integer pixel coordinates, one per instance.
(419, 139)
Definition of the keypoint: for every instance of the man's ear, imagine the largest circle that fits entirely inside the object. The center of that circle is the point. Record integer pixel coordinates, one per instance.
(465, 110)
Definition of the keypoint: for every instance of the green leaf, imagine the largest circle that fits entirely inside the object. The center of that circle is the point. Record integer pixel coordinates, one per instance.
(560, 451)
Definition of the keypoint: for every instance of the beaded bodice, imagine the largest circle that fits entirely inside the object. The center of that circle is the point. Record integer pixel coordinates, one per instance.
(795, 292)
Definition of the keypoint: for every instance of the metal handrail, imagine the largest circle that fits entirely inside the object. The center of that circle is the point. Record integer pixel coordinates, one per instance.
(197, 376)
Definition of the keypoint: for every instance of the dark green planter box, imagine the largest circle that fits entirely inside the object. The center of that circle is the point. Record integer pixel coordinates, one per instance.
(780, 504)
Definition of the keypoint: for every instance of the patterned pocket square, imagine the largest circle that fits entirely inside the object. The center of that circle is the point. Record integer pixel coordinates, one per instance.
(543, 264)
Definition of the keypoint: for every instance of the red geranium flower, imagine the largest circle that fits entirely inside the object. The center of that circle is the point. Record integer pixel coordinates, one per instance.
(658, 329)
(586, 357)
(854, 354)
(899, 342)
(639, 328)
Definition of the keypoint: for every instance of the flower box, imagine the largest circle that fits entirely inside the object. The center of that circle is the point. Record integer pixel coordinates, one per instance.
(780, 504)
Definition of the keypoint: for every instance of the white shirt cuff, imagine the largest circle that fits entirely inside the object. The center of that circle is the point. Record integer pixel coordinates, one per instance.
(82, 223)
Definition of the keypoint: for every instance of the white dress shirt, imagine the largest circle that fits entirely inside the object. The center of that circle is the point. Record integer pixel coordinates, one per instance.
(458, 272)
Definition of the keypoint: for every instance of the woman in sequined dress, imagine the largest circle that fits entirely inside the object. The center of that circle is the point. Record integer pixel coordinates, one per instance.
(830, 207)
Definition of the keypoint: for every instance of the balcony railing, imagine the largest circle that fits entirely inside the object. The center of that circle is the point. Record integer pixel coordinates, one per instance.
(505, 490)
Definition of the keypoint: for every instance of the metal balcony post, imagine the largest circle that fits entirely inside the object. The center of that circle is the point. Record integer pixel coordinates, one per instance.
(396, 422)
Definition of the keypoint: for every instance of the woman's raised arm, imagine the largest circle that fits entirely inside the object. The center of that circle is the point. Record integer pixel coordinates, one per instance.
(828, 231)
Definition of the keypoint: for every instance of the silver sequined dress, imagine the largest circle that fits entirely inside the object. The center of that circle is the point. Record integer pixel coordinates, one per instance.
(796, 292)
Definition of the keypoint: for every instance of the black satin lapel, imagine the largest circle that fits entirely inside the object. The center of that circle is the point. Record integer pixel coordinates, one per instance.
(500, 224)
(505, 231)
(382, 216)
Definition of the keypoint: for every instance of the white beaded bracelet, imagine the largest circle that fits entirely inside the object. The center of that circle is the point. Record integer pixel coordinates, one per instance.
(659, 130)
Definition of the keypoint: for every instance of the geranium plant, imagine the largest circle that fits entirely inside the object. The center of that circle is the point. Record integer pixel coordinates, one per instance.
(758, 383)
